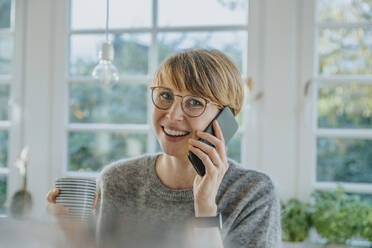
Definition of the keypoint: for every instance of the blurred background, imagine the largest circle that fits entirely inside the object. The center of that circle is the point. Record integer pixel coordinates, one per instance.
(307, 65)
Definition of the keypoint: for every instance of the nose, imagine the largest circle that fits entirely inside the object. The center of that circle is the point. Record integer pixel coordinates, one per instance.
(175, 112)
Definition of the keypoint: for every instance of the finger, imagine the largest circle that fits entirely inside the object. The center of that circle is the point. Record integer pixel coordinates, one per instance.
(95, 199)
(211, 151)
(214, 140)
(51, 196)
(210, 169)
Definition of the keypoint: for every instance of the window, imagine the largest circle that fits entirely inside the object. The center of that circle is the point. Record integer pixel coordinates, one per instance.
(344, 93)
(6, 77)
(109, 123)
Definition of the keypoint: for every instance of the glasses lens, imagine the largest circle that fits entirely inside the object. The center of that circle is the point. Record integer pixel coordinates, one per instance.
(193, 106)
(162, 97)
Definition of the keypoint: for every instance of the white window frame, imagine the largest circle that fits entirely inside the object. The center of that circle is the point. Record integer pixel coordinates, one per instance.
(60, 124)
(310, 81)
(14, 125)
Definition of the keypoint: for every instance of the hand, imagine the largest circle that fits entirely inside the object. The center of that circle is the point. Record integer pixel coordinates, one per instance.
(216, 165)
(71, 229)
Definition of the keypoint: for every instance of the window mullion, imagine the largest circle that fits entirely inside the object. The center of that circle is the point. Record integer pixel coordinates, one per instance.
(161, 29)
(361, 79)
(344, 133)
(142, 128)
(346, 25)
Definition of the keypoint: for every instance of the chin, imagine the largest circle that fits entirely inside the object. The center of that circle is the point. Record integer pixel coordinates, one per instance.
(174, 153)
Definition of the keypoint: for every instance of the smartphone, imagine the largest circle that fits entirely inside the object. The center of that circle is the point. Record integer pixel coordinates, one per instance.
(228, 125)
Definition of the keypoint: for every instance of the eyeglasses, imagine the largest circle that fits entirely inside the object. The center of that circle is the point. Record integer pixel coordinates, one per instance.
(192, 106)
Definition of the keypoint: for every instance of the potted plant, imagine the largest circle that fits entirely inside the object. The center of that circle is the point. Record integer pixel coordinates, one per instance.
(296, 222)
(336, 216)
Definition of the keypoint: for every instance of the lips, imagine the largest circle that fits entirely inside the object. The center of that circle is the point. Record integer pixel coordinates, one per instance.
(174, 133)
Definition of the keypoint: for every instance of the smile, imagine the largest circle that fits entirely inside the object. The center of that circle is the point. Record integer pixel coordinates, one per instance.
(175, 133)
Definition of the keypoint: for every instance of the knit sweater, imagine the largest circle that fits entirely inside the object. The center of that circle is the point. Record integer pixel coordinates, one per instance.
(135, 209)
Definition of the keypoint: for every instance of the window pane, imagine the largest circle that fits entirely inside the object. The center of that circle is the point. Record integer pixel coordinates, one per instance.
(3, 148)
(345, 10)
(233, 147)
(91, 14)
(90, 151)
(95, 103)
(193, 12)
(344, 160)
(367, 198)
(345, 106)
(5, 7)
(4, 99)
(345, 51)
(6, 50)
(3, 189)
(230, 43)
(158, 147)
(131, 53)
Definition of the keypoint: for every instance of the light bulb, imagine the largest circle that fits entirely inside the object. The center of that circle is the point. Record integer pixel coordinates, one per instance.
(106, 71)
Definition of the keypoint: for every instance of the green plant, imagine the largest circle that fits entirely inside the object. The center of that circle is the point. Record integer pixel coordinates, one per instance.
(366, 224)
(336, 215)
(296, 221)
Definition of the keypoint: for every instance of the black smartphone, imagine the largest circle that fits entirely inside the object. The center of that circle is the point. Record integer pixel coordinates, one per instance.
(228, 125)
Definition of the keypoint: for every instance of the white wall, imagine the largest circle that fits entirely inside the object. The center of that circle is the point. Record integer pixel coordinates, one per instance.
(37, 84)
(274, 66)
(277, 76)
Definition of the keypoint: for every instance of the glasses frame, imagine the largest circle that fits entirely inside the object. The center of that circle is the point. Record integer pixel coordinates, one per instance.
(182, 97)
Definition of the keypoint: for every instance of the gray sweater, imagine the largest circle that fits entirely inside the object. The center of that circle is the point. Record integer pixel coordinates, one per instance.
(135, 209)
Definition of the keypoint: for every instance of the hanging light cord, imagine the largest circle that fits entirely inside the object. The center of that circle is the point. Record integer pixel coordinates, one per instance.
(107, 18)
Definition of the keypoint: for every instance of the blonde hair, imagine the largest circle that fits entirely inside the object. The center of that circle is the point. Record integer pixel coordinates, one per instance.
(204, 73)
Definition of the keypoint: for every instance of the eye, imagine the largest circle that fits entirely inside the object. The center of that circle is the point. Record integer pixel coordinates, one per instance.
(195, 103)
(166, 95)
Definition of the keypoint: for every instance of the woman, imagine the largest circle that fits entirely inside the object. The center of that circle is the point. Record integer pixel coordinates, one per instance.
(158, 199)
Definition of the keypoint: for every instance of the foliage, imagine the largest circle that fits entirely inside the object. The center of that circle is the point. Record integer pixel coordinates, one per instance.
(3, 148)
(337, 216)
(90, 151)
(4, 98)
(366, 224)
(121, 103)
(296, 221)
(345, 106)
(344, 160)
(3, 190)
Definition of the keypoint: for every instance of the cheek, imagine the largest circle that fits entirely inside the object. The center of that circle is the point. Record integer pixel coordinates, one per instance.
(156, 115)
(202, 123)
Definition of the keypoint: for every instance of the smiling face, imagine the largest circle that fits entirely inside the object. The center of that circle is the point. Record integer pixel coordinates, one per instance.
(173, 128)
(198, 72)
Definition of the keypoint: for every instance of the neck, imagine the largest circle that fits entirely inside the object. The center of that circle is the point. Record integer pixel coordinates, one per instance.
(175, 172)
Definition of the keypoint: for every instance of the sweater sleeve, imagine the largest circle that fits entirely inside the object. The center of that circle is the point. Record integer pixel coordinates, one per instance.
(258, 226)
(251, 210)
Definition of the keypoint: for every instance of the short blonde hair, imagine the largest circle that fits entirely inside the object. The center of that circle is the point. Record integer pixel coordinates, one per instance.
(204, 73)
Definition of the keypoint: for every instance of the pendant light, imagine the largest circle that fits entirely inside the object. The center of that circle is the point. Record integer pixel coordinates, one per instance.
(106, 71)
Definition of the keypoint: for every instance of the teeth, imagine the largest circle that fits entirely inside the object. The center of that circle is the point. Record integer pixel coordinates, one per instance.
(174, 133)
